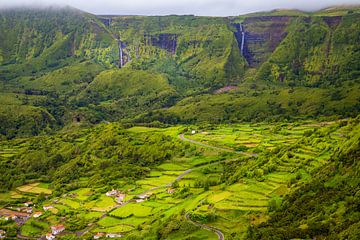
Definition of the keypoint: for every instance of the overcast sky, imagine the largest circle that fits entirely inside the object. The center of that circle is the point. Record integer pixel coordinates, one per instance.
(165, 7)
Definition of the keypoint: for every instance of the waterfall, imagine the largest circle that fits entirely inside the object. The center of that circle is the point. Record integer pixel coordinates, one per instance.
(121, 59)
(242, 43)
(240, 37)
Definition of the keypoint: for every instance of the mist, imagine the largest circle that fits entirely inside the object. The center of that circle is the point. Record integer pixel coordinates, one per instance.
(166, 7)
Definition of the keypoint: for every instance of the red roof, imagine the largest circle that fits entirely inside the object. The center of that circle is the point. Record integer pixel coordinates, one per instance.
(58, 227)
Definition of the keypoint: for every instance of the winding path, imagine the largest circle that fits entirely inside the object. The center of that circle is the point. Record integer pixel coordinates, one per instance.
(212, 229)
(187, 216)
(182, 137)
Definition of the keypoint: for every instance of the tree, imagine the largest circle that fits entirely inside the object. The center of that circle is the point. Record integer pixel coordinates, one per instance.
(175, 184)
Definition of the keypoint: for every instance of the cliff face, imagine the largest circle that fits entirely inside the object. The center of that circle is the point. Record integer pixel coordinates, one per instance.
(55, 54)
(164, 41)
(332, 22)
(32, 41)
(262, 36)
(316, 50)
(212, 51)
(200, 47)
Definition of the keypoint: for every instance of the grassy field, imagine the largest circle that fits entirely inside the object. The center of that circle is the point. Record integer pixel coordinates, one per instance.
(31, 229)
(103, 204)
(82, 194)
(132, 209)
(35, 188)
(115, 229)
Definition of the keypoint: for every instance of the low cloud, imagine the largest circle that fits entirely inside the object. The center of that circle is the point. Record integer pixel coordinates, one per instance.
(164, 7)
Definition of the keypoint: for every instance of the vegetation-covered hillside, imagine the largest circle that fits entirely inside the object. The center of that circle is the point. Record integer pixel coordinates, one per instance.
(325, 207)
(60, 65)
(318, 50)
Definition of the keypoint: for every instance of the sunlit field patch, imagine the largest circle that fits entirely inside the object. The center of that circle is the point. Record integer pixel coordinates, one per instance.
(34, 188)
(132, 209)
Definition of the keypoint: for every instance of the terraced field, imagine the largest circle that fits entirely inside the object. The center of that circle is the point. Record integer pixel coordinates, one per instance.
(251, 196)
(7, 151)
(216, 189)
(260, 135)
(34, 188)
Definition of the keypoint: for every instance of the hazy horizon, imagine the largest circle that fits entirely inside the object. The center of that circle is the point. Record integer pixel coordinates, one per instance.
(162, 7)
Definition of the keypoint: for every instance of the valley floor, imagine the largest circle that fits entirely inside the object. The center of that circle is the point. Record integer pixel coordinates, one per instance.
(231, 179)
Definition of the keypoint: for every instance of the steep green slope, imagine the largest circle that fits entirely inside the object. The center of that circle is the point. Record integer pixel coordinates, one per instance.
(28, 105)
(203, 47)
(258, 102)
(41, 40)
(279, 64)
(33, 45)
(125, 93)
(24, 120)
(65, 81)
(325, 208)
(307, 66)
(103, 154)
(317, 50)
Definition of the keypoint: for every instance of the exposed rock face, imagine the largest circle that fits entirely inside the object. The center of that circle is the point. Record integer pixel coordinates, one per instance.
(226, 89)
(332, 22)
(106, 21)
(262, 36)
(163, 40)
(124, 56)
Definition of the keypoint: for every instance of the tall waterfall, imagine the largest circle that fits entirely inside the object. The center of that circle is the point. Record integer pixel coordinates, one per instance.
(242, 40)
(121, 53)
(240, 36)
